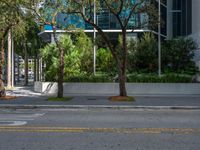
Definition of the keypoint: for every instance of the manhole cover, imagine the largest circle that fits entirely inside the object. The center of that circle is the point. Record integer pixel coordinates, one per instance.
(91, 99)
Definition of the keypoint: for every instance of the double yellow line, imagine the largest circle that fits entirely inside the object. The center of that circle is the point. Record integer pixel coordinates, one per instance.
(100, 130)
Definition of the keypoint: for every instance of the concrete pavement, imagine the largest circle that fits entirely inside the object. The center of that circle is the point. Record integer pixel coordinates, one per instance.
(27, 98)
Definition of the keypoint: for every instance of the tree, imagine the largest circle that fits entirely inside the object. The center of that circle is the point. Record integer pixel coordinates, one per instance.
(46, 13)
(71, 57)
(27, 42)
(123, 12)
(10, 14)
(76, 53)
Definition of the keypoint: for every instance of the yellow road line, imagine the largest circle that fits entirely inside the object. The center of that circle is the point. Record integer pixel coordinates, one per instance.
(107, 130)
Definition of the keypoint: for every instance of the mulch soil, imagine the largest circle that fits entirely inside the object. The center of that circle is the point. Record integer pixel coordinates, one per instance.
(8, 98)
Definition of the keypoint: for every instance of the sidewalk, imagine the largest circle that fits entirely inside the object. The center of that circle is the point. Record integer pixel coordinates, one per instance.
(27, 98)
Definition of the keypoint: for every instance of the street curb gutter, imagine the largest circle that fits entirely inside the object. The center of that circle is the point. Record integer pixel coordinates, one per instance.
(99, 107)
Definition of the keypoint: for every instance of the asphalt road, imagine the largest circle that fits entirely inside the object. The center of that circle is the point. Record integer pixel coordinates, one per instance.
(99, 130)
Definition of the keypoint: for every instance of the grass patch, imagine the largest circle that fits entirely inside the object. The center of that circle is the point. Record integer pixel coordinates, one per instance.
(121, 98)
(56, 99)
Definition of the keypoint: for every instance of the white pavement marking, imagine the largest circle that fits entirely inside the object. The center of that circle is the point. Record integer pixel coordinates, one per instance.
(10, 118)
(16, 119)
(12, 123)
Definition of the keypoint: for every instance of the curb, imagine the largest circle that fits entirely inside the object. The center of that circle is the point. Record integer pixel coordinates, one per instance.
(99, 107)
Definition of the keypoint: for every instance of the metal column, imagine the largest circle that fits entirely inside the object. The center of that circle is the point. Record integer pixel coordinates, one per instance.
(94, 52)
(159, 39)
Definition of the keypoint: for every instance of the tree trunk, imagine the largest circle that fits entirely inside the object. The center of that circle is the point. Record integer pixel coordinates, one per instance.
(122, 67)
(35, 68)
(9, 82)
(122, 82)
(2, 88)
(61, 66)
(61, 74)
(121, 61)
(26, 66)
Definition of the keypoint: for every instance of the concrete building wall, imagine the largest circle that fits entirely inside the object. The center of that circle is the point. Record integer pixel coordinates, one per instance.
(196, 28)
(195, 16)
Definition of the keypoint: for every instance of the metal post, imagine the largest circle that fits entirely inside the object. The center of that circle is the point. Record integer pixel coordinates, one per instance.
(38, 67)
(159, 39)
(41, 71)
(52, 38)
(94, 53)
(18, 69)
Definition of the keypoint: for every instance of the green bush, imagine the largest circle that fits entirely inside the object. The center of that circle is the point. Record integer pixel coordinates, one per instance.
(77, 56)
(50, 55)
(89, 78)
(84, 47)
(132, 78)
(142, 54)
(105, 61)
(177, 56)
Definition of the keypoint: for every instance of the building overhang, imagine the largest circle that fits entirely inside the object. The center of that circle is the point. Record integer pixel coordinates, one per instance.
(46, 34)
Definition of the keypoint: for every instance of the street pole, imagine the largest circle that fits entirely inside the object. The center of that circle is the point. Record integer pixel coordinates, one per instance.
(159, 39)
(94, 53)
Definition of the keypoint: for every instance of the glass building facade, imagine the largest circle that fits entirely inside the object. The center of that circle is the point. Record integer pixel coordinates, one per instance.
(107, 21)
(182, 17)
(104, 19)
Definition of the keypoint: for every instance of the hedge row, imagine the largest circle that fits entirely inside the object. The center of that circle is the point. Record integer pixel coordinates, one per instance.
(167, 78)
(89, 78)
(133, 78)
